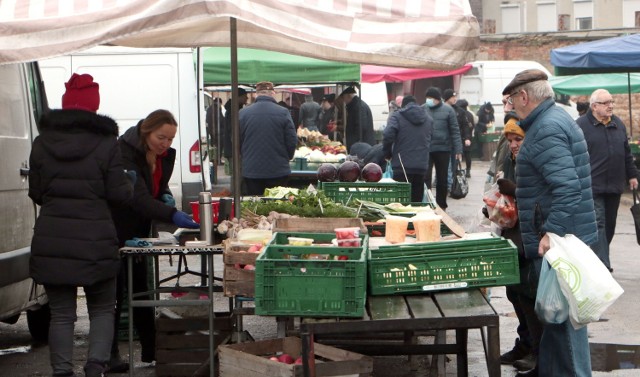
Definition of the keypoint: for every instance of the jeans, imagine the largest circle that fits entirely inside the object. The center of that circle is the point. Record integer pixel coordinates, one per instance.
(417, 185)
(101, 300)
(606, 206)
(563, 351)
(441, 162)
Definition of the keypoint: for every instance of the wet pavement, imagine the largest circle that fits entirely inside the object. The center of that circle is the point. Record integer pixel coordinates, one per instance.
(20, 357)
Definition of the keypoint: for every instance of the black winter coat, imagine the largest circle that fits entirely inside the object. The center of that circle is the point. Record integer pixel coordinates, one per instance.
(135, 219)
(75, 174)
(359, 123)
(408, 137)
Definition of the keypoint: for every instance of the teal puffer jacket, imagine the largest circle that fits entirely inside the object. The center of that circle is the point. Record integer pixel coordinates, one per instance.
(553, 179)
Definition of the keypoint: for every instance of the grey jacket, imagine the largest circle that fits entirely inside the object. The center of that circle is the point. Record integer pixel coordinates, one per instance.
(446, 133)
(408, 136)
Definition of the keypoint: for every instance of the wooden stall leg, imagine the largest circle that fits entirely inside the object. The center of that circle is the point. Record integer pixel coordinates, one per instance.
(410, 339)
(439, 362)
(493, 356)
(463, 361)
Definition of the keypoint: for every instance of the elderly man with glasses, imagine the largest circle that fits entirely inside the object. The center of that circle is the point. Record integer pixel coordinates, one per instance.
(612, 166)
(553, 191)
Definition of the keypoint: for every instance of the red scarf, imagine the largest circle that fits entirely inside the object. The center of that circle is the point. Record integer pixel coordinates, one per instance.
(157, 176)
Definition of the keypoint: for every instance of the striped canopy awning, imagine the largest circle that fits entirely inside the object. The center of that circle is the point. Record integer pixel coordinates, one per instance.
(435, 34)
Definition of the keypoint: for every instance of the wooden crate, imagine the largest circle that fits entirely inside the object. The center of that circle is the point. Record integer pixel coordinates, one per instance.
(316, 224)
(182, 344)
(238, 282)
(252, 360)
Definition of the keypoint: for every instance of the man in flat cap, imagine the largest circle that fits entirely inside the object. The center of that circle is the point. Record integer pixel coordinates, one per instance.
(267, 142)
(359, 125)
(553, 190)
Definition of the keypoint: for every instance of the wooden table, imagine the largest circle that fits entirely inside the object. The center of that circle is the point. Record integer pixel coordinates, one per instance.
(411, 315)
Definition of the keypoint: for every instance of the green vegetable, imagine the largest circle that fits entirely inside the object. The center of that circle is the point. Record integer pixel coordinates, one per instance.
(303, 204)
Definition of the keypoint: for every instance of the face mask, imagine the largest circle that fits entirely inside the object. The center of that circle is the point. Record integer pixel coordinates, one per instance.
(430, 102)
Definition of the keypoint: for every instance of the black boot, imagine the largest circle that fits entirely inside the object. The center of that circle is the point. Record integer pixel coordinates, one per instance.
(117, 365)
(530, 373)
(518, 352)
(526, 363)
(95, 368)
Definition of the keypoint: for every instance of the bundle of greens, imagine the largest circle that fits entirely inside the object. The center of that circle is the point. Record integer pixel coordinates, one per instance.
(304, 203)
(371, 211)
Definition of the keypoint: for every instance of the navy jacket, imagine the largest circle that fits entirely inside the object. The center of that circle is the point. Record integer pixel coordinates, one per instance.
(553, 179)
(408, 134)
(611, 160)
(75, 175)
(267, 139)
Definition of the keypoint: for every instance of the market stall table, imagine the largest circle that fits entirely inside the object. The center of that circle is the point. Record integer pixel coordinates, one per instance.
(413, 314)
(153, 300)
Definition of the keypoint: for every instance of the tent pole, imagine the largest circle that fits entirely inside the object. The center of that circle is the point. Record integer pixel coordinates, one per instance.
(630, 110)
(235, 128)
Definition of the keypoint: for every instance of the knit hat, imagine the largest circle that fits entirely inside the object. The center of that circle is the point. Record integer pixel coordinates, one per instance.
(407, 100)
(331, 97)
(434, 93)
(349, 90)
(511, 127)
(448, 93)
(81, 93)
(241, 92)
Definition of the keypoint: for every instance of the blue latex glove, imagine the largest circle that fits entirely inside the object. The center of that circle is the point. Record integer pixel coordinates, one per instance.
(131, 175)
(136, 242)
(183, 220)
(168, 200)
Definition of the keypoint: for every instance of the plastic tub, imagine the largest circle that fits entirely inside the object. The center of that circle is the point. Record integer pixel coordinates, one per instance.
(396, 229)
(427, 227)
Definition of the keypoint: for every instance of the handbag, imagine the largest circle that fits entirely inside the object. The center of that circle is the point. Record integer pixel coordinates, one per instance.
(459, 186)
(635, 212)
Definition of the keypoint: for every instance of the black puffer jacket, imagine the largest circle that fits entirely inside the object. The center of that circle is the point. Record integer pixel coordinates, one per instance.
(407, 137)
(135, 219)
(76, 174)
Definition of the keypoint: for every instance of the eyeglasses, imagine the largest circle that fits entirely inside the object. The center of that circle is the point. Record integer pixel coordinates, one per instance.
(606, 103)
(510, 99)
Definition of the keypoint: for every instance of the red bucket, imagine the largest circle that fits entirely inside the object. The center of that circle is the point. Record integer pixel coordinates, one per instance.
(215, 209)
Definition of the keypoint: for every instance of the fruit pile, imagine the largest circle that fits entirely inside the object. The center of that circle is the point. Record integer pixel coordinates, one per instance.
(349, 171)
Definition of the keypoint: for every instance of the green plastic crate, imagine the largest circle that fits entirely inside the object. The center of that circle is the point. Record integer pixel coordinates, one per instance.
(311, 288)
(434, 266)
(378, 192)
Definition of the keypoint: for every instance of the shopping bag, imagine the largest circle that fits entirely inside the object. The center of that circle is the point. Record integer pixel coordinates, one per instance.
(551, 306)
(504, 213)
(585, 281)
(635, 212)
(388, 172)
(459, 186)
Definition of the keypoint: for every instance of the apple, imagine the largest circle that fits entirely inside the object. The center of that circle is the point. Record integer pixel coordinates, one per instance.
(249, 267)
(298, 361)
(254, 249)
(273, 358)
(286, 358)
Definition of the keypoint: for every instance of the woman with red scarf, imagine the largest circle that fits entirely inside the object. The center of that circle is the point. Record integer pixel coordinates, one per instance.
(146, 150)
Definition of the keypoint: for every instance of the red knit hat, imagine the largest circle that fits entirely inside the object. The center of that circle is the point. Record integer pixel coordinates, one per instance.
(82, 93)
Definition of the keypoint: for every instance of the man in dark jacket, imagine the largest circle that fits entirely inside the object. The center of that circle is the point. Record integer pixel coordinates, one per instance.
(327, 117)
(466, 148)
(309, 112)
(75, 175)
(359, 125)
(444, 141)
(267, 141)
(553, 191)
(612, 166)
(450, 97)
(406, 142)
(243, 97)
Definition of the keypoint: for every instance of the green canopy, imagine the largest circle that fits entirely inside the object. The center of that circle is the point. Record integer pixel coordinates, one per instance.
(615, 83)
(261, 65)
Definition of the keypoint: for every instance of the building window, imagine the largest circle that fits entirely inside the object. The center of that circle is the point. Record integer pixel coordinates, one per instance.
(547, 16)
(511, 19)
(630, 10)
(564, 22)
(489, 26)
(584, 23)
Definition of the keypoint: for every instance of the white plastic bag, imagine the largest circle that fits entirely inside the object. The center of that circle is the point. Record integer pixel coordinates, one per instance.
(585, 281)
(551, 305)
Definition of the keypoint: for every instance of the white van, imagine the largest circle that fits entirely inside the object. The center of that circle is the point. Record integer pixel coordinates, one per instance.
(375, 95)
(485, 81)
(22, 102)
(133, 83)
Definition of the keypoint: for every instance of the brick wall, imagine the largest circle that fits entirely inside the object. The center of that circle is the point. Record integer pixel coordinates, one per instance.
(537, 47)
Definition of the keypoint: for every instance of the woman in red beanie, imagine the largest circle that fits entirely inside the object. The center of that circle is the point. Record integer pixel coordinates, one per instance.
(76, 175)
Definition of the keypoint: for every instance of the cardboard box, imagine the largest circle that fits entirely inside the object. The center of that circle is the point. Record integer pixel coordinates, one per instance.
(252, 360)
